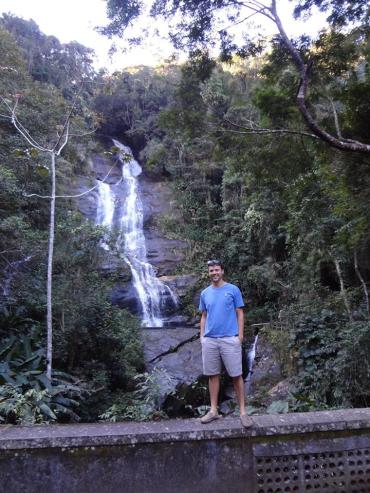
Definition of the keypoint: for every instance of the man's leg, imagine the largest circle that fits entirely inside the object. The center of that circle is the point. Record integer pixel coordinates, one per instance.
(211, 367)
(231, 352)
(214, 389)
(239, 390)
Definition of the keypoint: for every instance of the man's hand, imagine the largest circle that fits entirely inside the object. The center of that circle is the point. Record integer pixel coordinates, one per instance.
(202, 324)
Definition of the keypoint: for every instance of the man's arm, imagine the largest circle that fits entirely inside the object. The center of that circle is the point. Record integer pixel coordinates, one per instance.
(240, 317)
(203, 323)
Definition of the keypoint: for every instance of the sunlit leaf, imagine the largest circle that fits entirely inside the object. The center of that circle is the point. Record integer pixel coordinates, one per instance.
(42, 170)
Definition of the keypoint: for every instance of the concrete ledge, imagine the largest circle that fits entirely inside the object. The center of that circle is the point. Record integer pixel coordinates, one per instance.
(82, 435)
(328, 452)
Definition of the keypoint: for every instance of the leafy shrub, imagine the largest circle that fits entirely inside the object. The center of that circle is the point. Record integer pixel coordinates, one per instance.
(26, 394)
(333, 362)
(145, 402)
(279, 340)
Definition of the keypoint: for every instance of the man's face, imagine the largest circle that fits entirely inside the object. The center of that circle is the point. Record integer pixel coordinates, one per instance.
(215, 273)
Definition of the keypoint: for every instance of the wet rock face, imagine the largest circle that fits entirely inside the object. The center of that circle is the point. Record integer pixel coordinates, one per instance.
(163, 253)
(160, 342)
(180, 284)
(266, 367)
(178, 320)
(125, 296)
(115, 266)
(176, 352)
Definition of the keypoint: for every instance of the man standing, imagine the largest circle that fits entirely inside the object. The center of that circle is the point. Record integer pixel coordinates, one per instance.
(221, 335)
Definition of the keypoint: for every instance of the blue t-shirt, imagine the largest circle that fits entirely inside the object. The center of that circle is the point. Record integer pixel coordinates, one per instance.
(220, 305)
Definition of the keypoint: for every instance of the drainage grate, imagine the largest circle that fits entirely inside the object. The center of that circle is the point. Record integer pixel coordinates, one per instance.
(323, 472)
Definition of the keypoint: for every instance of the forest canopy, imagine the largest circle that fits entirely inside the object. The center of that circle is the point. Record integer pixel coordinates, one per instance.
(197, 24)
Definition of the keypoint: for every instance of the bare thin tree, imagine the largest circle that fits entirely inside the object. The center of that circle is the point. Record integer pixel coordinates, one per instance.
(54, 151)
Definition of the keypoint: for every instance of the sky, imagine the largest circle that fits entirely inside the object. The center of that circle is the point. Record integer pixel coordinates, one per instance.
(75, 20)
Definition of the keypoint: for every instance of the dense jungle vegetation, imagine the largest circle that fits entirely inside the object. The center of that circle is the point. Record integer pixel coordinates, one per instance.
(287, 211)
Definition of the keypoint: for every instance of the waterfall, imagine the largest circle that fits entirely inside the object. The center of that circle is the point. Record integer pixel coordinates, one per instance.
(125, 212)
(251, 357)
(251, 354)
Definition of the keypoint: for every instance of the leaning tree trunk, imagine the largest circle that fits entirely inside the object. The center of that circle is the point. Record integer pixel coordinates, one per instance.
(343, 290)
(363, 283)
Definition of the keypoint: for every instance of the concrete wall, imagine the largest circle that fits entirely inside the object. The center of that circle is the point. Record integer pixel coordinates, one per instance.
(314, 452)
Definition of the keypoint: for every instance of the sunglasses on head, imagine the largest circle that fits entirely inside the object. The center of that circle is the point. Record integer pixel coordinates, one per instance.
(214, 262)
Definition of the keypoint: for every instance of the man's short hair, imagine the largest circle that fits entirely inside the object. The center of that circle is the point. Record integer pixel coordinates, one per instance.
(215, 261)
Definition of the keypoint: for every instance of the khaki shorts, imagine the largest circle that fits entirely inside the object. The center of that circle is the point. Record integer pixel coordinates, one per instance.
(221, 349)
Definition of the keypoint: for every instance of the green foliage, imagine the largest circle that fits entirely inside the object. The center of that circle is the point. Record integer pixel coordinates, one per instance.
(341, 12)
(26, 394)
(278, 407)
(93, 335)
(98, 342)
(49, 61)
(333, 362)
(280, 341)
(142, 404)
(30, 407)
(133, 102)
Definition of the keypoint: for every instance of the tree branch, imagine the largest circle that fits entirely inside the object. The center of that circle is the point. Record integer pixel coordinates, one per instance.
(241, 21)
(266, 131)
(263, 131)
(304, 70)
(21, 129)
(66, 133)
(78, 194)
(90, 132)
(65, 128)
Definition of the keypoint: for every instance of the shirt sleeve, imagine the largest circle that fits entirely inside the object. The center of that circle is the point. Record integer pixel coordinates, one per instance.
(238, 299)
(202, 306)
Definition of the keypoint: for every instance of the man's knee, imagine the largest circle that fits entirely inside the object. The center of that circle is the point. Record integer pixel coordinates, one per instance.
(237, 379)
(214, 378)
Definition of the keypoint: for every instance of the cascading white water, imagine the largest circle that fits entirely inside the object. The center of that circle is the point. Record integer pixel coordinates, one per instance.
(105, 209)
(251, 357)
(131, 240)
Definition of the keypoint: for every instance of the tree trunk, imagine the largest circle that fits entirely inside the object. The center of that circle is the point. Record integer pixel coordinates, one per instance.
(49, 321)
(343, 290)
(363, 283)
